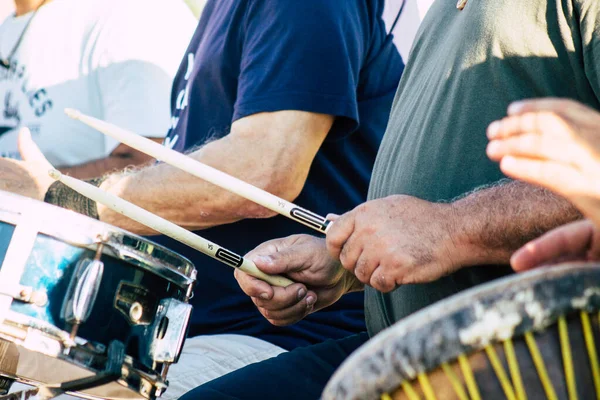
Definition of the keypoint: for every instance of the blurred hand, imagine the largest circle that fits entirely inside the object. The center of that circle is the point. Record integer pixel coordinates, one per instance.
(394, 241)
(28, 177)
(578, 241)
(304, 259)
(554, 143)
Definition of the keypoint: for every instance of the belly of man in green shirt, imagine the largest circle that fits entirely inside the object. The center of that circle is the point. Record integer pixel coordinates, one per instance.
(465, 68)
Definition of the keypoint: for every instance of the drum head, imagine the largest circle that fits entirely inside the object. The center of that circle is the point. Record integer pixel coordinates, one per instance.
(82, 231)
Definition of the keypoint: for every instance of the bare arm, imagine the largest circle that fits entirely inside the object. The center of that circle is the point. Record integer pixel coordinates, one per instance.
(401, 239)
(272, 151)
(492, 223)
(122, 157)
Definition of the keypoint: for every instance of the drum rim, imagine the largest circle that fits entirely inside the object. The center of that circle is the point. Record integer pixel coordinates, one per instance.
(133, 377)
(82, 231)
(402, 351)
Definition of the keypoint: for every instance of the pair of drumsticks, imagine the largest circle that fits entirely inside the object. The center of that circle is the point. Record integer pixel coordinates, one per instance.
(199, 170)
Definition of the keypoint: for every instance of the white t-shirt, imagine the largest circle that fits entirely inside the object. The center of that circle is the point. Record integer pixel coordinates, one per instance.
(406, 28)
(111, 59)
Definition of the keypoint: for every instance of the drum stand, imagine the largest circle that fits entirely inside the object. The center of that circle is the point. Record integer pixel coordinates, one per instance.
(112, 372)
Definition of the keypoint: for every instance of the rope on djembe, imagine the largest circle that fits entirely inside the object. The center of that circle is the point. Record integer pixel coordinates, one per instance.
(472, 387)
(426, 386)
(513, 386)
(410, 391)
(513, 367)
(500, 373)
(455, 382)
(565, 346)
(538, 361)
(591, 349)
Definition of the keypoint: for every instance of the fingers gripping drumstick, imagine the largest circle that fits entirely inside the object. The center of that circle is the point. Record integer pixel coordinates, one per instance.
(203, 171)
(168, 228)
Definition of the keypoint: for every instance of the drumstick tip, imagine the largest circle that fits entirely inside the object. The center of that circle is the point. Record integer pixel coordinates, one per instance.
(55, 174)
(72, 113)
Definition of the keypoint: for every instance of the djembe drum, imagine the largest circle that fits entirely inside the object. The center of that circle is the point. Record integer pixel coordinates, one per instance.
(527, 336)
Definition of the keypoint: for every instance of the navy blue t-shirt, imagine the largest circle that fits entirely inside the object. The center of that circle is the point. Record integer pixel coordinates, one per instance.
(249, 56)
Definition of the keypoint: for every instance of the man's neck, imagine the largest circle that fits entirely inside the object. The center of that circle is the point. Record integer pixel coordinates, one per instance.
(23, 7)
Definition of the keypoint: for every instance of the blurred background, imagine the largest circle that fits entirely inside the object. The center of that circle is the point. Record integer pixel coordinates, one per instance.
(195, 5)
(7, 6)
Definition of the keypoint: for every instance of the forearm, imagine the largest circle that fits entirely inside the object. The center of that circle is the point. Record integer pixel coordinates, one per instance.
(100, 167)
(179, 197)
(490, 224)
(196, 204)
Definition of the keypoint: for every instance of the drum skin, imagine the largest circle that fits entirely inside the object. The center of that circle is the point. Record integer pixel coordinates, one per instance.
(421, 352)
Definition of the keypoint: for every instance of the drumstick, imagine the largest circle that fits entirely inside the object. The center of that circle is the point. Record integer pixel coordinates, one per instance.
(203, 171)
(168, 228)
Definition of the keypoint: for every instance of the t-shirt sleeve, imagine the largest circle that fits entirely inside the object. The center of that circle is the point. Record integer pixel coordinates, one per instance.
(135, 58)
(301, 55)
(589, 27)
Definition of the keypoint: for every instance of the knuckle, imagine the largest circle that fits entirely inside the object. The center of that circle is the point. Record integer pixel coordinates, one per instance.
(378, 281)
(369, 229)
(359, 272)
(344, 256)
(363, 208)
(334, 243)
(361, 265)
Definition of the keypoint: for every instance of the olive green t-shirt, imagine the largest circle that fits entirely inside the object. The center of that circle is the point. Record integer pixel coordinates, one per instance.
(465, 68)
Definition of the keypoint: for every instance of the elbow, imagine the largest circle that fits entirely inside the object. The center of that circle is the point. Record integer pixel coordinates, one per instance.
(286, 189)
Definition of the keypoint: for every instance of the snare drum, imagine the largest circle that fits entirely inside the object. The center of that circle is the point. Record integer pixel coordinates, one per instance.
(70, 286)
(528, 336)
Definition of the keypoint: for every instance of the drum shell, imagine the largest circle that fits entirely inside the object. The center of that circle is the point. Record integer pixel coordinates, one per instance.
(143, 287)
(50, 267)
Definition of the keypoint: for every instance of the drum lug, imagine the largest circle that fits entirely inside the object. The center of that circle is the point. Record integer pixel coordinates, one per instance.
(25, 294)
(190, 289)
(169, 330)
(5, 385)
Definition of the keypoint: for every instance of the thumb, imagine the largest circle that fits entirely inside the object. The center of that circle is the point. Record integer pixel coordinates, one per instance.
(29, 150)
(283, 261)
(332, 217)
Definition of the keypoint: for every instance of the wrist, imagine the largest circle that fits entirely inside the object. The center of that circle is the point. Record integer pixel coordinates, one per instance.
(466, 228)
(63, 196)
(112, 184)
